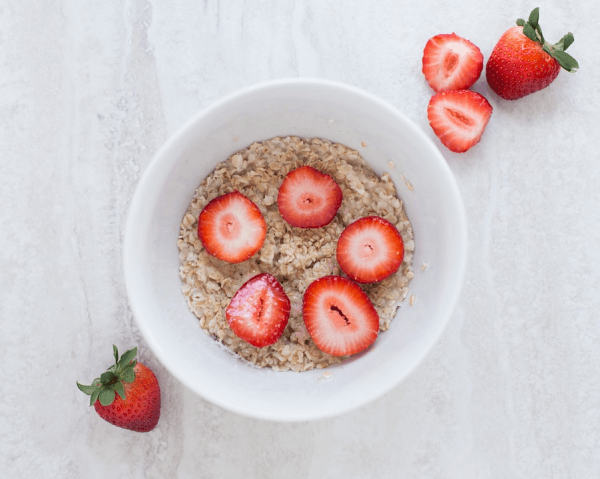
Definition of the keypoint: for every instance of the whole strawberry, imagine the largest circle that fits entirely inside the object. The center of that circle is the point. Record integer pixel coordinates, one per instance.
(127, 394)
(522, 62)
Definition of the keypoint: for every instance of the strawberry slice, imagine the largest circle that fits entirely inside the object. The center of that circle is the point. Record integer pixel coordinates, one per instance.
(308, 198)
(459, 118)
(339, 316)
(259, 311)
(232, 228)
(451, 62)
(370, 249)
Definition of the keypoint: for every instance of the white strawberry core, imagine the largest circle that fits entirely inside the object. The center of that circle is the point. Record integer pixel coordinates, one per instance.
(337, 316)
(460, 117)
(340, 318)
(230, 227)
(369, 248)
(307, 200)
(457, 54)
(367, 251)
(310, 203)
(235, 230)
(450, 63)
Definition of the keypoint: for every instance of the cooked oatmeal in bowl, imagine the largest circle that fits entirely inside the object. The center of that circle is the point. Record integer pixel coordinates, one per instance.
(222, 150)
(295, 256)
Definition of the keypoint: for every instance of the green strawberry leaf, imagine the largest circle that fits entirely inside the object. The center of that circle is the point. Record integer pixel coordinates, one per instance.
(86, 389)
(107, 396)
(533, 31)
(538, 29)
(110, 383)
(125, 367)
(128, 357)
(566, 61)
(107, 377)
(534, 17)
(94, 396)
(529, 32)
(128, 376)
(565, 42)
(118, 387)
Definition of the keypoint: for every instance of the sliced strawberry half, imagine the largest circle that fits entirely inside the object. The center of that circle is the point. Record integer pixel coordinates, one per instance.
(339, 316)
(232, 228)
(259, 311)
(370, 249)
(458, 118)
(451, 63)
(308, 198)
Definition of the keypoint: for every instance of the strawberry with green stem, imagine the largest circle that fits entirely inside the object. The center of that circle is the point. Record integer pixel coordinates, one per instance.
(127, 394)
(523, 62)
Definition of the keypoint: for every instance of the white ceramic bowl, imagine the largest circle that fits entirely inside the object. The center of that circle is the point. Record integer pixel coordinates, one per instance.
(306, 108)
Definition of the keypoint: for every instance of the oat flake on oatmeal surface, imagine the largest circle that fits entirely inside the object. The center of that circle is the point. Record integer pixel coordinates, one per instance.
(295, 256)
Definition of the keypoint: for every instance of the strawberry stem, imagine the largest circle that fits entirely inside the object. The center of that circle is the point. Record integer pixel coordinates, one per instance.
(533, 31)
(534, 17)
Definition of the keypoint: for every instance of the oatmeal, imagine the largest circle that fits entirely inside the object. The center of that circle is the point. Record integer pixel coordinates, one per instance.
(295, 256)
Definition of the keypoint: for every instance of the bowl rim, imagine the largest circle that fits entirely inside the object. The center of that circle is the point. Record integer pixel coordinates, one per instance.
(137, 203)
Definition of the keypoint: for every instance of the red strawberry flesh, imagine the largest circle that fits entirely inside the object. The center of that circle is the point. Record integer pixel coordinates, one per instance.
(451, 63)
(339, 316)
(259, 311)
(308, 198)
(458, 118)
(232, 228)
(370, 249)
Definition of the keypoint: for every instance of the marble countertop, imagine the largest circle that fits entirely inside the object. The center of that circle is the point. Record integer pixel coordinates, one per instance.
(90, 90)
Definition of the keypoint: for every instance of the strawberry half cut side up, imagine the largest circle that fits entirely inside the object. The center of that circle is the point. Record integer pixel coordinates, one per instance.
(308, 198)
(339, 316)
(458, 118)
(259, 311)
(232, 228)
(127, 395)
(523, 62)
(451, 63)
(370, 249)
